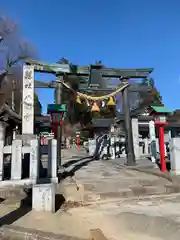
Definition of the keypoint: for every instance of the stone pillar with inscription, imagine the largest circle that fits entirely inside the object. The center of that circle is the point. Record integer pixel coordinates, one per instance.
(146, 146)
(52, 160)
(1, 160)
(28, 100)
(2, 137)
(16, 162)
(152, 137)
(43, 197)
(174, 146)
(135, 133)
(34, 160)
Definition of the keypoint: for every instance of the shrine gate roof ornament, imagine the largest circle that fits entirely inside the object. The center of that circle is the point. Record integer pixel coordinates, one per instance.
(160, 109)
(57, 68)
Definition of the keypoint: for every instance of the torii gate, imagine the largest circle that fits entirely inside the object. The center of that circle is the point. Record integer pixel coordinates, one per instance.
(93, 75)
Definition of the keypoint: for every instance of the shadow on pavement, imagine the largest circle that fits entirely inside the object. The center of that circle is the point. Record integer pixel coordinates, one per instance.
(25, 207)
(71, 162)
(70, 173)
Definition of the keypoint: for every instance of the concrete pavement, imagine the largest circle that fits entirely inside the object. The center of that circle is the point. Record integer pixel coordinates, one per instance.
(146, 218)
(92, 181)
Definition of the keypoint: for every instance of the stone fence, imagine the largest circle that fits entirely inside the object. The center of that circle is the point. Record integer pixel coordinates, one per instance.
(117, 149)
(26, 157)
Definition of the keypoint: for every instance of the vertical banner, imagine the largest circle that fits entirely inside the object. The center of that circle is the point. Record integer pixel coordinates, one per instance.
(28, 100)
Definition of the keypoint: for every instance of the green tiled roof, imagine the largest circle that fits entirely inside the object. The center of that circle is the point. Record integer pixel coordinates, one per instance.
(160, 109)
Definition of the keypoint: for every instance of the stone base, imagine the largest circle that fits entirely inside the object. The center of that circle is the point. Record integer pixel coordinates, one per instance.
(54, 180)
(15, 183)
(26, 138)
(175, 172)
(43, 197)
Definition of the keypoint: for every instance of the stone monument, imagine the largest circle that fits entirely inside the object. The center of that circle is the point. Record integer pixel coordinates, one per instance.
(174, 145)
(52, 160)
(43, 194)
(28, 100)
(135, 132)
(152, 136)
(43, 197)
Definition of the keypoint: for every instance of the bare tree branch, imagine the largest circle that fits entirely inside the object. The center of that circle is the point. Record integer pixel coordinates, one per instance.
(7, 26)
(13, 50)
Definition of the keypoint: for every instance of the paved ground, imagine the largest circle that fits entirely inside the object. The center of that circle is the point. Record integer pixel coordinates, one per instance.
(122, 202)
(154, 217)
(98, 180)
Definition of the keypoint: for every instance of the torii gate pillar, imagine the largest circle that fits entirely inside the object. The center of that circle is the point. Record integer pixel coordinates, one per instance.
(128, 127)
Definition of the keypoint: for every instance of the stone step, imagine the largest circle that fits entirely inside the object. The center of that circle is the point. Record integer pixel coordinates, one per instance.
(135, 191)
(91, 192)
(11, 192)
(18, 233)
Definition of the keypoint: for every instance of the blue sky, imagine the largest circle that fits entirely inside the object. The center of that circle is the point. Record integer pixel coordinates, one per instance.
(121, 33)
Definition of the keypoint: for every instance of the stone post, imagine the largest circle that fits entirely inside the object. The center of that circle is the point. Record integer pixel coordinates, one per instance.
(43, 197)
(135, 132)
(34, 160)
(16, 160)
(122, 139)
(52, 160)
(112, 148)
(174, 145)
(92, 146)
(157, 146)
(141, 149)
(167, 136)
(2, 131)
(2, 138)
(152, 136)
(1, 160)
(146, 144)
(117, 140)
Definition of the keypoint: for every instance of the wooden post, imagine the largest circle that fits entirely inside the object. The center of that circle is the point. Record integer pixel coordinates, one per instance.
(16, 160)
